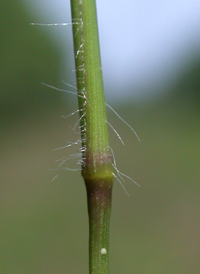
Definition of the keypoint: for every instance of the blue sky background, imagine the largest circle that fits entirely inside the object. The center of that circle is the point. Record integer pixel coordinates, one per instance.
(143, 43)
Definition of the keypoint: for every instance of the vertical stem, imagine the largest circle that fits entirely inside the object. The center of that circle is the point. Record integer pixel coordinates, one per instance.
(97, 160)
(89, 77)
(99, 209)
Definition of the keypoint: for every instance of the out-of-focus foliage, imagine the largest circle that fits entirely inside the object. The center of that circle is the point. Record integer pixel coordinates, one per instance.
(187, 87)
(28, 56)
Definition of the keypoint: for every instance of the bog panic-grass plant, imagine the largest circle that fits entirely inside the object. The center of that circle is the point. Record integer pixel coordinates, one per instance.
(97, 158)
(98, 166)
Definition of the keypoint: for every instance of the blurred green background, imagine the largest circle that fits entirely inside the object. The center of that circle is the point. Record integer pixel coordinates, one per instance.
(44, 224)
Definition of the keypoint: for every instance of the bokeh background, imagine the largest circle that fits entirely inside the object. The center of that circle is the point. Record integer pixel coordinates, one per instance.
(43, 223)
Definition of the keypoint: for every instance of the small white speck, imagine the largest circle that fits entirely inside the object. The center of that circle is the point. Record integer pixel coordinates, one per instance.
(103, 251)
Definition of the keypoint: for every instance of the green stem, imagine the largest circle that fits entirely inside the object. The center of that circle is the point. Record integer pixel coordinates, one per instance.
(99, 209)
(97, 160)
(89, 75)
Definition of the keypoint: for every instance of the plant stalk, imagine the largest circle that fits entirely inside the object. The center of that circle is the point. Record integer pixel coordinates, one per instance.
(97, 160)
(99, 209)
